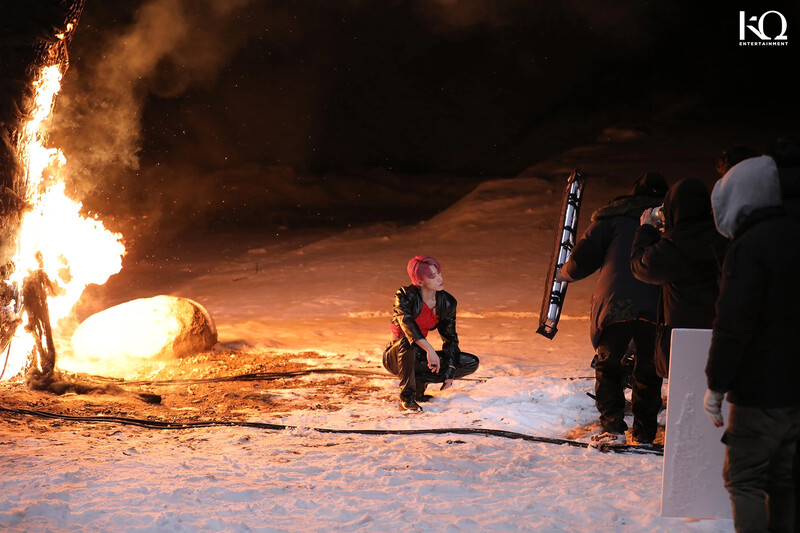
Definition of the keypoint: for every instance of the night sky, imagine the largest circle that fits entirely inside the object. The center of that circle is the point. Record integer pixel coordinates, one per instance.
(174, 96)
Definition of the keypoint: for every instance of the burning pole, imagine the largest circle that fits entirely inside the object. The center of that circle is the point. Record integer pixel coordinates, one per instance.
(33, 57)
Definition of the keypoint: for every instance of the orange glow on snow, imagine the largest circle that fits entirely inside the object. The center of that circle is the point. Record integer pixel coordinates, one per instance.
(75, 250)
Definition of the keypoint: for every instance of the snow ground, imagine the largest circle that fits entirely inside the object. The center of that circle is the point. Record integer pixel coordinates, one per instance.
(332, 294)
(103, 477)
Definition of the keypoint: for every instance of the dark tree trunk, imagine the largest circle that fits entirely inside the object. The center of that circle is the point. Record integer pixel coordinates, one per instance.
(29, 41)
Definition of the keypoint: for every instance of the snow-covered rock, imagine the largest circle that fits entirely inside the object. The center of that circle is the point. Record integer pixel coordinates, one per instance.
(157, 328)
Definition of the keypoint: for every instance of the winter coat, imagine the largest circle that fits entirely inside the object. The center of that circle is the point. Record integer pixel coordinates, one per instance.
(407, 307)
(755, 340)
(606, 246)
(790, 189)
(685, 261)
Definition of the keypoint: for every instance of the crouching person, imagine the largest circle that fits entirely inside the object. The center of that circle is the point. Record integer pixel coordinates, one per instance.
(418, 309)
(754, 346)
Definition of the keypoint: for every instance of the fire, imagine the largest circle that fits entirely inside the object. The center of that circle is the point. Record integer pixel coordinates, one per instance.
(72, 250)
(62, 36)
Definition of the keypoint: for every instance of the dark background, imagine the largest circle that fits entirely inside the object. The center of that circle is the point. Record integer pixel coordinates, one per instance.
(304, 113)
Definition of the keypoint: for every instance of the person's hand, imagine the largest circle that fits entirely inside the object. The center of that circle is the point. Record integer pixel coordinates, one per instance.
(647, 217)
(433, 360)
(712, 404)
(559, 277)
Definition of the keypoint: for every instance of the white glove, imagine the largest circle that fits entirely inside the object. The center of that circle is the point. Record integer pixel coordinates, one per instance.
(712, 404)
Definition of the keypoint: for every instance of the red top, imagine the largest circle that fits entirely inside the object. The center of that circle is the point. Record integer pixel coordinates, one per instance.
(425, 321)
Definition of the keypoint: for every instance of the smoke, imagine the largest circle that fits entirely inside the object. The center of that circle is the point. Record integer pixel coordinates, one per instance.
(187, 109)
(168, 47)
(453, 15)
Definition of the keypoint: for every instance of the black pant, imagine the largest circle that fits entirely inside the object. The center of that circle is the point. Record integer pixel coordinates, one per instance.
(796, 477)
(410, 363)
(646, 387)
(759, 450)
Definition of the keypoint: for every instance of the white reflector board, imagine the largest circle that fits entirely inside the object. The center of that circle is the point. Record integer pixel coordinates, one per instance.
(692, 485)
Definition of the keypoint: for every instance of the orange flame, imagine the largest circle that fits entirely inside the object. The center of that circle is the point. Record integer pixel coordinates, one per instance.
(75, 250)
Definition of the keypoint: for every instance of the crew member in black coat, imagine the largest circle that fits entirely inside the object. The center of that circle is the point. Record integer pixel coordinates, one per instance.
(754, 346)
(685, 259)
(418, 309)
(786, 153)
(623, 309)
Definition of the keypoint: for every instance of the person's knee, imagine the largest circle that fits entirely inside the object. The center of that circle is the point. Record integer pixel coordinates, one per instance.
(608, 361)
(390, 359)
(468, 360)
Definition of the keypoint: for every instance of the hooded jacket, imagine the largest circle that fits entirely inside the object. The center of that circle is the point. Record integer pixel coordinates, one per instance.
(685, 261)
(606, 246)
(755, 340)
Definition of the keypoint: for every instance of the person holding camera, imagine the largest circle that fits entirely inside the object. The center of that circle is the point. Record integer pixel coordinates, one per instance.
(623, 310)
(679, 248)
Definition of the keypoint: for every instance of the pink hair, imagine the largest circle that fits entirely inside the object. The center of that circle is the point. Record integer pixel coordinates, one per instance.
(421, 267)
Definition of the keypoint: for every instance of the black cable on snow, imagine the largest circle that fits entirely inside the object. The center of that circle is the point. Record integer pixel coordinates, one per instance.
(648, 449)
(253, 376)
(268, 376)
(260, 376)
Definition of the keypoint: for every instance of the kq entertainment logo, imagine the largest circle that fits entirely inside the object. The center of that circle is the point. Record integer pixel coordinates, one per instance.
(770, 29)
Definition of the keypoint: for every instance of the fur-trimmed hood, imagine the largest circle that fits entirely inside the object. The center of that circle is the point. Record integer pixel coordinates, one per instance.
(750, 185)
(625, 204)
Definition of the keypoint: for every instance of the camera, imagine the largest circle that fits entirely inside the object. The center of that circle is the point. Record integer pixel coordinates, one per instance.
(657, 215)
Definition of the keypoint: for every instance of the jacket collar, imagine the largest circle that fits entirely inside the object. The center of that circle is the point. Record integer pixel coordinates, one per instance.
(758, 216)
(624, 204)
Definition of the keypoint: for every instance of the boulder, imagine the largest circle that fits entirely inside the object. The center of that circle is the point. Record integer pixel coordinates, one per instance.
(133, 334)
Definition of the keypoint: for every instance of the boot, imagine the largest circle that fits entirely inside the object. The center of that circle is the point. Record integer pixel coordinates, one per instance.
(420, 395)
(409, 404)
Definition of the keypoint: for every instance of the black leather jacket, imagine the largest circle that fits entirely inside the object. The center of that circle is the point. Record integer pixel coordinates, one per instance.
(408, 306)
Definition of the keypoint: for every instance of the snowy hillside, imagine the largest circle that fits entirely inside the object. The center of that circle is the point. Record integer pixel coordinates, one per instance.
(329, 294)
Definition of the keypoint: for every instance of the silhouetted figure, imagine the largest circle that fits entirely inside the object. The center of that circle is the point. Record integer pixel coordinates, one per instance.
(36, 287)
(754, 346)
(786, 153)
(685, 259)
(732, 156)
(623, 309)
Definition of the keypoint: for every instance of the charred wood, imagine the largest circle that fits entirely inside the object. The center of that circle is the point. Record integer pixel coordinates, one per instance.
(55, 383)
(33, 34)
(35, 290)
